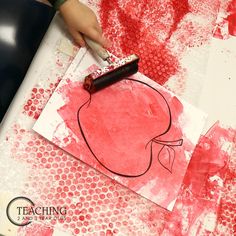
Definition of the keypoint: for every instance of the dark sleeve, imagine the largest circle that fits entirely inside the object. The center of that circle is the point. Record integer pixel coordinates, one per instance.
(52, 2)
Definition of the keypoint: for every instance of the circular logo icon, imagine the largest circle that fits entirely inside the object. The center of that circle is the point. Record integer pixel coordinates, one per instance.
(18, 211)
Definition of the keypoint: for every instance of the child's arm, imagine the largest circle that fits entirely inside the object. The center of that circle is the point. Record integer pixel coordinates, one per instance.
(80, 19)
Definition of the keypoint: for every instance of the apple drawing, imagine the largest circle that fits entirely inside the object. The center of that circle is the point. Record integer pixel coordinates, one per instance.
(121, 124)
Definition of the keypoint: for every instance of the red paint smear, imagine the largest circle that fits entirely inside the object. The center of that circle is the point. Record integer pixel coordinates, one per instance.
(158, 32)
(221, 31)
(138, 35)
(35, 229)
(232, 24)
(200, 195)
(227, 27)
(232, 18)
(181, 8)
(209, 158)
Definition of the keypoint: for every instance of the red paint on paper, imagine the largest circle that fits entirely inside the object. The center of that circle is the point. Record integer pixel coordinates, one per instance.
(159, 32)
(227, 26)
(198, 207)
(133, 31)
(38, 99)
(95, 203)
(126, 208)
(109, 134)
(127, 212)
(35, 229)
(181, 8)
(232, 24)
(115, 129)
(232, 18)
(210, 146)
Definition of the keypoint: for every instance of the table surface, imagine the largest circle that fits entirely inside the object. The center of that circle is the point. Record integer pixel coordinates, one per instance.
(28, 169)
(22, 26)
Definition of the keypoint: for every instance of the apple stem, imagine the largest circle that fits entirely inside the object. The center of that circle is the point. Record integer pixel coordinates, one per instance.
(178, 142)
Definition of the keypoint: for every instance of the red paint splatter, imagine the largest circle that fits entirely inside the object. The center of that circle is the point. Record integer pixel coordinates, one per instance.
(42, 91)
(221, 30)
(227, 25)
(159, 32)
(131, 29)
(121, 211)
(203, 185)
(95, 203)
(232, 18)
(181, 8)
(38, 99)
(35, 229)
(232, 24)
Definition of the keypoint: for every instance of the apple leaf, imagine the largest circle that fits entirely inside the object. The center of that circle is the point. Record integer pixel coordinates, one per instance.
(166, 157)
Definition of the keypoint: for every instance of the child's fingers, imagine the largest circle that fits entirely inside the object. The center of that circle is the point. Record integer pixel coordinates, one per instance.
(78, 38)
(96, 35)
(98, 27)
(106, 42)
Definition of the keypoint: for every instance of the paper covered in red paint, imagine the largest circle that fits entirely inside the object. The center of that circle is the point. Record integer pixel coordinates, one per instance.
(134, 131)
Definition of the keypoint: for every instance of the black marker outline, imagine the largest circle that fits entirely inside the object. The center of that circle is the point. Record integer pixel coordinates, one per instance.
(169, 143)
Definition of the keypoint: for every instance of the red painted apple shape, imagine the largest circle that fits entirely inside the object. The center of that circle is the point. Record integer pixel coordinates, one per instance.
(120, 124)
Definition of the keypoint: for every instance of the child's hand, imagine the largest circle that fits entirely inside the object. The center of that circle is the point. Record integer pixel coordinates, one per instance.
(80, 19)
